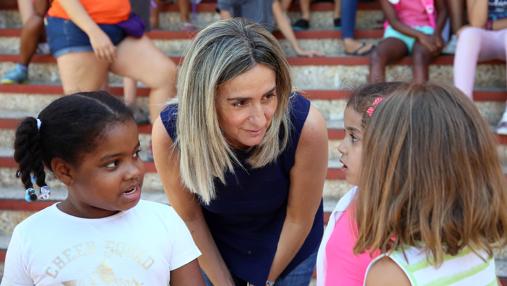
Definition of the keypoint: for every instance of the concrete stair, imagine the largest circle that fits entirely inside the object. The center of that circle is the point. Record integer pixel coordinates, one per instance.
(326, 80)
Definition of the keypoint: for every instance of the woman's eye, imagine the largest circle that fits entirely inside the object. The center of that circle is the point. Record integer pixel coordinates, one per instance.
(239, 103)
(270, 95)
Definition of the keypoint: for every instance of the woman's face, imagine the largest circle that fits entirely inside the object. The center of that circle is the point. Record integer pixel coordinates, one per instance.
(246, 105)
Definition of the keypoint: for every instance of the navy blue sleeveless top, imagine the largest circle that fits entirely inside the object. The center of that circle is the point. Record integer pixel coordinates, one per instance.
(247, 215)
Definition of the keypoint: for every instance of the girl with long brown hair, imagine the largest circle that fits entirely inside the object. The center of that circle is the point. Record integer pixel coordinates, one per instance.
(432, 194)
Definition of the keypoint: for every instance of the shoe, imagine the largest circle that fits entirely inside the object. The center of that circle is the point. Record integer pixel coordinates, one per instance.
(140, 115)
(502, 125)
(18, 74)
(301, 25)
(42, 49)
(337, 22)
(502, 128)
(450, 48)
(361, 51)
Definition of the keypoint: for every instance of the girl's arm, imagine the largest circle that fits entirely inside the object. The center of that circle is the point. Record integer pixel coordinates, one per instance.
(477, 11)
(187, 206)
(441, 8)
(386, 272)
(101, 44)
(187, 275)
(390, 15)
(306, 183)
(283, 24)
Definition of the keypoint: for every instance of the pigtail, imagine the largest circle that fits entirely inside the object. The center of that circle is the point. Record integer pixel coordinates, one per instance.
(28, 154)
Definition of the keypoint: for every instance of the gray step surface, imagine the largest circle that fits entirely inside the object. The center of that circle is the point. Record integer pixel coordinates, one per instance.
(19, 105)
(320, 20)
(178, 47)
(323, 73)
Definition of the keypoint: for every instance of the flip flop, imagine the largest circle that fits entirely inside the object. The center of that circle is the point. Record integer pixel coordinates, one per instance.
(358, 52)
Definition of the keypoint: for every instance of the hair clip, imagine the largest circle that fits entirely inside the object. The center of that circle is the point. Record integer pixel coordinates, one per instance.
(30, 195)
(44, 193)
(373, 106)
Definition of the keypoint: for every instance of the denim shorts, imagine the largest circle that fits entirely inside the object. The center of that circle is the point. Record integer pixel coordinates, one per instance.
(390, 32)
(66, 37)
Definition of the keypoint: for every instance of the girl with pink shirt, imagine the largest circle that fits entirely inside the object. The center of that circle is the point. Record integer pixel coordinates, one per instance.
(413, 27)
(336, 262)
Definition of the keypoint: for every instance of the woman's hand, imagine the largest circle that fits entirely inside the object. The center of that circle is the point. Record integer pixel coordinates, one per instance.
(102, 45)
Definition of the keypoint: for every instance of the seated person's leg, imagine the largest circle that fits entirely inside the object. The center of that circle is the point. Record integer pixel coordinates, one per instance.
(140, 60)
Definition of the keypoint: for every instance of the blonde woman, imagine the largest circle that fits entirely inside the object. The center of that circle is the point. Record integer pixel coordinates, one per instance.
(243, 160)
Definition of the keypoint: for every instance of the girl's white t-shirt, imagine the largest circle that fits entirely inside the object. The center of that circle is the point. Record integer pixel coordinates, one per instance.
(139, 246)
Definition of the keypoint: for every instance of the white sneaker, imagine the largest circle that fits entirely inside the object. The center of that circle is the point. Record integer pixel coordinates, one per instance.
(450, 48)
(502, 125)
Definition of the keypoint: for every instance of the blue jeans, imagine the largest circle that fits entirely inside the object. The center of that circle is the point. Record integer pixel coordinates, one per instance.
(299, 276)
(348, 18)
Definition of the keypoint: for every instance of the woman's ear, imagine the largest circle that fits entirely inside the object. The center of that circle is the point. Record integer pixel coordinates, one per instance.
(62, 171)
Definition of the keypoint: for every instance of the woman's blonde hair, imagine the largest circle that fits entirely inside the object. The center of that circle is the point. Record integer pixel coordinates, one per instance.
(219, 53)
(431, 176)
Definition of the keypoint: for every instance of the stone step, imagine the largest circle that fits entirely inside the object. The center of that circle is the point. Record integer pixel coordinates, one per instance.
(334, 186)
(311, 73)
(177, 46)
(28, 99)
(368, 16)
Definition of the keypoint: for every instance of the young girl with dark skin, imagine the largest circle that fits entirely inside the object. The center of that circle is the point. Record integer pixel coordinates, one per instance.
(102, 231)
(411, 29)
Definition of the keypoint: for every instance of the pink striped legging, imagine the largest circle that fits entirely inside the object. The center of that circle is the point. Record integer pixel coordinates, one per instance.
(476, 44)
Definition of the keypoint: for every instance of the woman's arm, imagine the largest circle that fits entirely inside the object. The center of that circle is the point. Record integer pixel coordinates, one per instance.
(477, 11)
(386, 272)
(306, 183)
(101, 44)
(187, 206)
(187, 275)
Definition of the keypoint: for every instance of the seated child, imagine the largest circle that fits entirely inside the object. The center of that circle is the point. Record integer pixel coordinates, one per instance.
(413, 27)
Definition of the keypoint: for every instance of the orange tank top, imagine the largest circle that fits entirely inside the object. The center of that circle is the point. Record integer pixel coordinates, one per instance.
(101, 11)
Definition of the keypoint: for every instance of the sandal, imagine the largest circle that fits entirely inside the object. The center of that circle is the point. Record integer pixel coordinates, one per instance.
(360, 51)
(337, 22)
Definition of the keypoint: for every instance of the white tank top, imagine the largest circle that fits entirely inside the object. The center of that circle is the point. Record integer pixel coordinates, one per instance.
(467, 268)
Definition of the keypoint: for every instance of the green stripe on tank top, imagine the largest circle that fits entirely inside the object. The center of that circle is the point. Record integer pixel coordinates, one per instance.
(424, 263)
(459, 276)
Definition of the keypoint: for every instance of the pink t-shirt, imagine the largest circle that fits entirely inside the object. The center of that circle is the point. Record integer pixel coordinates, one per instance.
(412, 13)
(343, 266)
